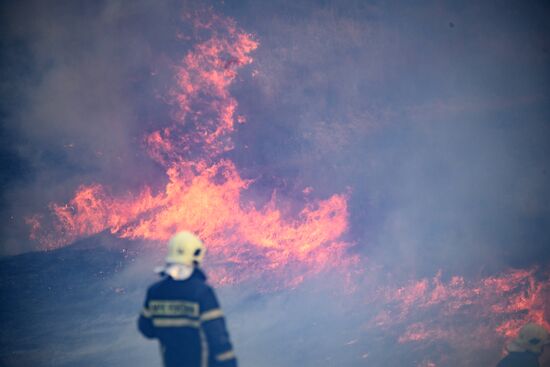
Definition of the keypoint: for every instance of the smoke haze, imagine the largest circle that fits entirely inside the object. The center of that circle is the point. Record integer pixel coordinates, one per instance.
(433, 118)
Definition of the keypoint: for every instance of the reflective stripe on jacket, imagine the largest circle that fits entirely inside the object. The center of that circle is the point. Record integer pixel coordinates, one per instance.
(186, 318)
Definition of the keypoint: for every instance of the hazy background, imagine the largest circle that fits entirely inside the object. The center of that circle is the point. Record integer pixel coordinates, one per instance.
(434, 115)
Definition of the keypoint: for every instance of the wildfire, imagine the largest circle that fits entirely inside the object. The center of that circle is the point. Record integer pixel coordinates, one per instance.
(203, 193)
(507, 302)
(203, 190)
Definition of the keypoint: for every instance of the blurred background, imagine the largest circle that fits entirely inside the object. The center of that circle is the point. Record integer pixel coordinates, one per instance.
(371, 178)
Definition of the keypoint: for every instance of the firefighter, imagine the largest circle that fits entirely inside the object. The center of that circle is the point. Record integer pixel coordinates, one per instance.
(182, 312)
(525, 350)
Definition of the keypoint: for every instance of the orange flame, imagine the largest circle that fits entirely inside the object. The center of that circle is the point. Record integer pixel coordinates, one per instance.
(203, 191)
(507, 302)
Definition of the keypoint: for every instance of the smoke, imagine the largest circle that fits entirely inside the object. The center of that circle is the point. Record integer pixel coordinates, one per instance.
(432, 117)
(432, 127)
(80, 90)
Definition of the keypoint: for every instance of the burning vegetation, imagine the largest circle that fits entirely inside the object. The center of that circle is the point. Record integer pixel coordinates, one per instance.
(203, 190)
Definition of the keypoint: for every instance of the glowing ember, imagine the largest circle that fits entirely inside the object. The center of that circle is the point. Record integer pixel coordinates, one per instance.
(203, 192)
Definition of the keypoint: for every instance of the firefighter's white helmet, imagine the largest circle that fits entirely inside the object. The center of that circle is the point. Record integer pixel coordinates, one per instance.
(185, 248)
(531, 337)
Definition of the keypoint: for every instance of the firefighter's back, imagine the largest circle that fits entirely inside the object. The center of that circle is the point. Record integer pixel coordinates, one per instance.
(183, 313)
(174, 308)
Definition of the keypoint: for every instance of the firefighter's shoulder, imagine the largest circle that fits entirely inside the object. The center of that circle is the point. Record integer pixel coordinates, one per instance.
(156, 287)
(199, 283)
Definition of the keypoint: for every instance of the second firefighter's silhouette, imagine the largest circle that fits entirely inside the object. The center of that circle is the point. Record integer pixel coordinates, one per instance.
(182, 311)
(527, 348)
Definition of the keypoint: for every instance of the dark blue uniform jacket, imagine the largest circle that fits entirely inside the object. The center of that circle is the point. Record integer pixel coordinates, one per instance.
(184, 315)
(520, 359)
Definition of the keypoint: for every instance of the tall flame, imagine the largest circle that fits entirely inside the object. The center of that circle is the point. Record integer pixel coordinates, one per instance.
(203, 190)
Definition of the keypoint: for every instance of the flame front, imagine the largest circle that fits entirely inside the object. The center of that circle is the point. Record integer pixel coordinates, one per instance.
(203, 190)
